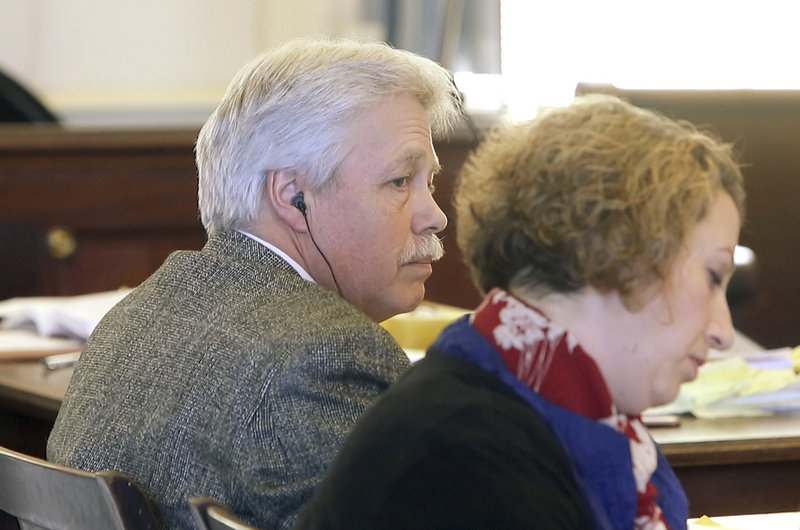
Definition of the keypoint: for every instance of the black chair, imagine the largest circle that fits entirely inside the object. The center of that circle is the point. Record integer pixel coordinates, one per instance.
(18, 104)
(210, 514)
(36, 494)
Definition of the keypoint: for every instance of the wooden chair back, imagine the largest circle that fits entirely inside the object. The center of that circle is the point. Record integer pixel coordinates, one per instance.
(36, 494)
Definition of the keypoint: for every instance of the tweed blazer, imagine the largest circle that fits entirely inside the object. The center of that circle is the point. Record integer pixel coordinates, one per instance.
(224, 374)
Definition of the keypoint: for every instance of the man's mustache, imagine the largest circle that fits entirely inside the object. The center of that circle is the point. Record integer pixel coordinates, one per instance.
(427, 248)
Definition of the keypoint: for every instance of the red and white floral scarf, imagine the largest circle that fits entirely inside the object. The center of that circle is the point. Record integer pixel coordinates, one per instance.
(547, 359)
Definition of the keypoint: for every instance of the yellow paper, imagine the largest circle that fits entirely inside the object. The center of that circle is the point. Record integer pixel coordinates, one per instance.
(418, 329)
(705, 521)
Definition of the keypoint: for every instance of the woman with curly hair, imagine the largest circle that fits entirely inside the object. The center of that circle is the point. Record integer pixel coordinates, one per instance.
(602, 235)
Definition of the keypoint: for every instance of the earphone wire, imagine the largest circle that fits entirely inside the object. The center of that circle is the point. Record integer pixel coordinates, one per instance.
(328, 263)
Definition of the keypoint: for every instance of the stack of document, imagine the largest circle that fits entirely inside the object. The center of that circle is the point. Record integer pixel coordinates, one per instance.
(758, 383)
(33, 327)
(25, 345)
(59, 316)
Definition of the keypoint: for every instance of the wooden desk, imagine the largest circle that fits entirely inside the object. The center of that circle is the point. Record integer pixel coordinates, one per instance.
(30, 397)
(727, 466)
(736, 465)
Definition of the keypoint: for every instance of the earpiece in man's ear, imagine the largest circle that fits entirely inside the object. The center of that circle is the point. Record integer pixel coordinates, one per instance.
(298, 201)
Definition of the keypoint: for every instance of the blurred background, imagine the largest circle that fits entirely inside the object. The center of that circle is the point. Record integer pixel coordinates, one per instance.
(155, 62)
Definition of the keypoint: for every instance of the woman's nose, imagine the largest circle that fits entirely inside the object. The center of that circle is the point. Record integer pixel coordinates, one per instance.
(720, 332)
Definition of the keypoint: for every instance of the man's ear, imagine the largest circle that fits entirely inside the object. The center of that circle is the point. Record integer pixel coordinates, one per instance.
(280, 187)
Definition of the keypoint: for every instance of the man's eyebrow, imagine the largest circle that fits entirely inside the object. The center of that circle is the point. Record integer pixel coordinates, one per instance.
(411, 157)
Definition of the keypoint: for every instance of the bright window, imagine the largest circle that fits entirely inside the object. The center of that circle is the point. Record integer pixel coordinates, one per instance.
(550, 46)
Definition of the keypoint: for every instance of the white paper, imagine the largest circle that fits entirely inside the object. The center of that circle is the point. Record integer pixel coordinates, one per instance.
(59, 316)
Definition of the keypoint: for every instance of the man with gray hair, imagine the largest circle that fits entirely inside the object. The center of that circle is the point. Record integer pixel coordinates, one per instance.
(236, 371)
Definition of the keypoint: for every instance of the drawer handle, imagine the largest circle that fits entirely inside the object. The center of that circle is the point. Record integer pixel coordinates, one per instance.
(61, 243)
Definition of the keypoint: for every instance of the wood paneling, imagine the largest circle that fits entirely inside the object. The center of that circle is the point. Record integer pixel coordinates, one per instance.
(128, 198)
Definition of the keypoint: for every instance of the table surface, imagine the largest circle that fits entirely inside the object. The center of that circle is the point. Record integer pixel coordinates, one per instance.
(28, 383)
(693, 430)
(727, 466)
(30, 388)
(731, 440)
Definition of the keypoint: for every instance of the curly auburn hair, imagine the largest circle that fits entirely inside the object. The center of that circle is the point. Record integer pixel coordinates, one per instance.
(598, 193)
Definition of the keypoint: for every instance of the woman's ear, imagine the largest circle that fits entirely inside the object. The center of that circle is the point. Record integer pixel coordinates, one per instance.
(281, 193)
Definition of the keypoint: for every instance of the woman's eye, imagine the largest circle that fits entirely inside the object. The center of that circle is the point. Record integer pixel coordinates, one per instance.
(714, 277)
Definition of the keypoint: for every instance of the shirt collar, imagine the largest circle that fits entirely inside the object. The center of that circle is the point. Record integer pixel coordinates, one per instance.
(296, 266)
